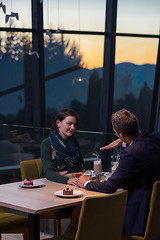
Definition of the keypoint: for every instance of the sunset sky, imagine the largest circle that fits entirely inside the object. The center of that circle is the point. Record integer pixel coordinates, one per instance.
(138, 16)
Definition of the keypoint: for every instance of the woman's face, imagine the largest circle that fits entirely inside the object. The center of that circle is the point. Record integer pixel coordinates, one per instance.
(67, 126)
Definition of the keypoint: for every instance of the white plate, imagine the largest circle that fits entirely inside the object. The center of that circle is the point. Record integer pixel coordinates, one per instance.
(35, 184)
(70, 174)
(90, 173)
(76, 193)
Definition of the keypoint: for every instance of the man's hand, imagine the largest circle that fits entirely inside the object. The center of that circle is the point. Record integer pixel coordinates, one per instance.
(81, 181)
(72, 181)
(113, 144)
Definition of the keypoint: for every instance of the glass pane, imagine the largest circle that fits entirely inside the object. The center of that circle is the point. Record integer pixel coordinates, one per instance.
(21, 17)
(75, 14)
(69, 85)
(136, 50)
(134, 76)
(17, 143)
(138, 16)
(15, 75)
(72, 49)
(12, 108)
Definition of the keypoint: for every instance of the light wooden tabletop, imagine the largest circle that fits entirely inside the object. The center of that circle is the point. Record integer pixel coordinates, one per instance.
(37, 200)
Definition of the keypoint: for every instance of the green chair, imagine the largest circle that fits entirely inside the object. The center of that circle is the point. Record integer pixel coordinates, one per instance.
(32, 169)
(152, 231)
(13, 223)
(100, 218)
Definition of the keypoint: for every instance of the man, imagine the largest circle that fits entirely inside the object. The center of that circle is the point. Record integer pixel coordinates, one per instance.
(139, 168)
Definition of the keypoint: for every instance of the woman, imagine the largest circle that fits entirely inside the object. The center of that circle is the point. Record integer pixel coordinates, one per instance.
(60, 152)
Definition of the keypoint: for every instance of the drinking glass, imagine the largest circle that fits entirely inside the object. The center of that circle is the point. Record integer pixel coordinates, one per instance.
(114, 165)
(97, 167)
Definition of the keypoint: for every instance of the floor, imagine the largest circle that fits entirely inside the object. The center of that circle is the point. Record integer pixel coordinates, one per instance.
(19, 236)
(64, 224)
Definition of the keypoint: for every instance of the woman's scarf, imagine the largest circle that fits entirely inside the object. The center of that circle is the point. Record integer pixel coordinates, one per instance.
(65, 153)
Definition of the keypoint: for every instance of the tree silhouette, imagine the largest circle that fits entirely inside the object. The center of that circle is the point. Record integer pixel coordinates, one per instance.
(141, 107)
(93, 102)
(144, 106)
(60, 54)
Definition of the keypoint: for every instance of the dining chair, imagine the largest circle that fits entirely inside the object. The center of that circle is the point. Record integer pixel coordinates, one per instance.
(32, 169)
(152, 230)
(13, 223)
(100, 218)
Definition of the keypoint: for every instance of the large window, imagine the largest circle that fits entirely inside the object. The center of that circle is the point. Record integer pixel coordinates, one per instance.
(134, 76)
(136, 57)
(79, 54)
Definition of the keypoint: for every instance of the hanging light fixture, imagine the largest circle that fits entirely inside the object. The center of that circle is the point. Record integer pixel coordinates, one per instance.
(80, 78)
(58, 29)
(3, 7)
(30, 52)
(13, 14)
(48, 32)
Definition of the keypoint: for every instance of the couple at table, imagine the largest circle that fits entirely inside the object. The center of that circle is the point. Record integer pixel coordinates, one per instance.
(138, 169)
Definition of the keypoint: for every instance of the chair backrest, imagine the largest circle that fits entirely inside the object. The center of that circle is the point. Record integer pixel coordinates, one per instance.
(152, 231)
(102, 217)
(2, 209)
(31, 168)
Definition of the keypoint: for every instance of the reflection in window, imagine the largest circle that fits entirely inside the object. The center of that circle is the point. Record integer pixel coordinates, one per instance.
(12, 108)
(15, 73)
(70, 63)
(23, 8)
(134, 76)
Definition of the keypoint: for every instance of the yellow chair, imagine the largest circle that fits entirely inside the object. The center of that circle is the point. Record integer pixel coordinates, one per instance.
(152, 231)
(13, 223)
(100, 218)
(32, 169)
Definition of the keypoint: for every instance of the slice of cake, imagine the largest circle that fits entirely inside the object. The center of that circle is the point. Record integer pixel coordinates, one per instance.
(67, 191)
(28, 181)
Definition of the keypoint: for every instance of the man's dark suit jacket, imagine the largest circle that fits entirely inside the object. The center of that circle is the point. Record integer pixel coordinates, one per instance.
(138, 169)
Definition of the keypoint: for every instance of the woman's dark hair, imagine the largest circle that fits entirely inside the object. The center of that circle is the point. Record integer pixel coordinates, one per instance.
(61, 115)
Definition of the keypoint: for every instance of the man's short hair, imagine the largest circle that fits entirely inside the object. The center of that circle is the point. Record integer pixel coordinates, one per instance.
(125, 122)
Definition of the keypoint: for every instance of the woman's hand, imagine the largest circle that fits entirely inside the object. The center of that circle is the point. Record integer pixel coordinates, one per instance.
(72, 181)
(113, 144)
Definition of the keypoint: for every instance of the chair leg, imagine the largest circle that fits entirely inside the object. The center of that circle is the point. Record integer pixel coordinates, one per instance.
(0, 236)
(25, 235)
(57, 227)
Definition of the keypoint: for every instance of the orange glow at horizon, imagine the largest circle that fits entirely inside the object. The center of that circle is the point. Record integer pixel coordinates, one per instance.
(136, 50)
(92, 48)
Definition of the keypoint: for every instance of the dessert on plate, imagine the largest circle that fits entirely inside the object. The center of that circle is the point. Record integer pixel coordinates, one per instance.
(67, 191)
(28, 181)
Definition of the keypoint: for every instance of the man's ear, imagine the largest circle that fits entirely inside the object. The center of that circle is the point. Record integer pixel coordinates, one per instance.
(122, 136)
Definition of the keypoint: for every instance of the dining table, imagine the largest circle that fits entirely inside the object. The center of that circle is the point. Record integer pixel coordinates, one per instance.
(39, 198)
